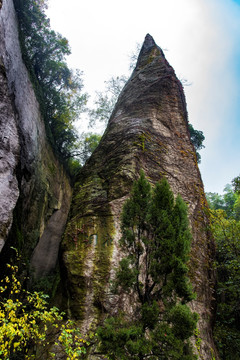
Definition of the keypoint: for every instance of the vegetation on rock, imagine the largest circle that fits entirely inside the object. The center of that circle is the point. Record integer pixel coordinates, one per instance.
(156, 243)
(197, 139)
(58, 89)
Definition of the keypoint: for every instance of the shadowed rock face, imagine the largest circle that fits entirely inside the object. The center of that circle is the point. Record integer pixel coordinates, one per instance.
(9, 155)
(35, 192)
(147, 130)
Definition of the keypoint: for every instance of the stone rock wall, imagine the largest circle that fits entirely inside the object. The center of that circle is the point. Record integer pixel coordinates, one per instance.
(9, 156)
(148, 130)
(35, 187)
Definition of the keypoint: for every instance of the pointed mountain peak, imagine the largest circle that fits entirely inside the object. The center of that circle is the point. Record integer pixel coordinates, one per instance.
(148, 51)
(149, 42)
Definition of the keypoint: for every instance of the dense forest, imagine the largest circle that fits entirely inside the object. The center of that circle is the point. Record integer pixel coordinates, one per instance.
(25, 315)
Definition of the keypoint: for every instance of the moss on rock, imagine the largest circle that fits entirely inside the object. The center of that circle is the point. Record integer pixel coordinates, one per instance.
(87, 249)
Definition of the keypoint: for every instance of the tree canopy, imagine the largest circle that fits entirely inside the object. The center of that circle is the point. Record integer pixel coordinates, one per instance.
(225, 226)
(236, 184)
(229, 201)
(197, 139)
(87, 144)
(105, 100)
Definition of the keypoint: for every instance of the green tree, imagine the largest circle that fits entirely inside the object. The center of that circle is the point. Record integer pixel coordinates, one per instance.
(156, 243)
(87, 145)
(229, 202)
(236, 208)
(105, 100)
(236, 184)
(215, 201)
(58, 89)
(227, 327)
(197, 139)
(229, 199)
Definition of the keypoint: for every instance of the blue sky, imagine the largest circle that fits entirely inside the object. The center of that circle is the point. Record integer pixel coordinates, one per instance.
(201, 40)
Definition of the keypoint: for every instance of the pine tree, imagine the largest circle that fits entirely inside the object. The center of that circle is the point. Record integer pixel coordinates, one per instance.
(156, 241)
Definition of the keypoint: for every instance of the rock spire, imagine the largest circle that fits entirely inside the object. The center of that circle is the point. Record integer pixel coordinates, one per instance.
(148, 130)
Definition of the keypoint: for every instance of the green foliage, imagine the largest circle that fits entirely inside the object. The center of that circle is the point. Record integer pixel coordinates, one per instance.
(225, 226)
(227, 329)
(197, 139)
(184, 322)
(150, 314)
(236, 208)
(229, 202)
(215, 201)
(73, 166)
(87, 145)
(105, 101)
(26, 321)
(58, 89)
(71, 341)
(153, 225)
(236, 184)
(121, 341)
(198, 339)
(156, 242)
(133, 57)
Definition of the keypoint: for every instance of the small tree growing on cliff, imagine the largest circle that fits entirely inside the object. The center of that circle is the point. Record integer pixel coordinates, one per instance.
(156, 240)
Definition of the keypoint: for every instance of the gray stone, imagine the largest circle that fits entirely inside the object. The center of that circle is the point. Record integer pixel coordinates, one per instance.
(9, 156)
(148, 130)
(43, 188)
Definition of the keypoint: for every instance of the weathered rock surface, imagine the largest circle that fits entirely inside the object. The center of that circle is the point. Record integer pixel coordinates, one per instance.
(147, 130)
(9, 156)
(34, 183)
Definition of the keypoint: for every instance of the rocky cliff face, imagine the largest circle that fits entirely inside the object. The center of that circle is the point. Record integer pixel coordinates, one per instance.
(9, 154)
(147, 130)
(35, 191)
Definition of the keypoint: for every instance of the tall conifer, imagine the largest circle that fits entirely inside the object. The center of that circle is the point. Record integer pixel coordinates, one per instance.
(156, 240)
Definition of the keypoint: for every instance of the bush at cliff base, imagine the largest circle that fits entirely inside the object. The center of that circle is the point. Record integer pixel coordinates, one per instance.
(26, 321)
